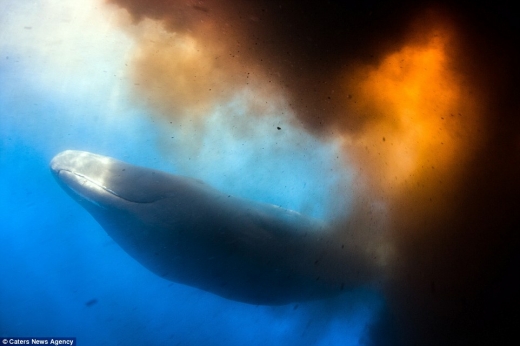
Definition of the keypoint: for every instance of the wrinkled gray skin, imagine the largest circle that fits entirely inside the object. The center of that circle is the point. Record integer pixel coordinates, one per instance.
(185, 231)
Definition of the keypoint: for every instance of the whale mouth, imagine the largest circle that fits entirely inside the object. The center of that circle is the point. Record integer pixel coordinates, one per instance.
(84, 188)
(86, 176)
(85, 181)
(102, 179)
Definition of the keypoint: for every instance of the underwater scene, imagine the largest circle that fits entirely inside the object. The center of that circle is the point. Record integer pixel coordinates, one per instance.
(259, 173)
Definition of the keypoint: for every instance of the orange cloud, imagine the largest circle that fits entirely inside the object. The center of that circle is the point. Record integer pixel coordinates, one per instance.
(419, 120)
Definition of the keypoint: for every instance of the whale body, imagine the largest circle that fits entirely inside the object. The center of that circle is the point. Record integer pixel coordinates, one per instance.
(188, 232)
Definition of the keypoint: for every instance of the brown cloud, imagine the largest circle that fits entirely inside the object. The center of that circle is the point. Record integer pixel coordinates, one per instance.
(425, 101)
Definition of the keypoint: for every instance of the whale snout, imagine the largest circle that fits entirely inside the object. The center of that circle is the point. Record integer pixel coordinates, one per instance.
(82, 175)
(61, 162)
(94, 176)
(79, 161)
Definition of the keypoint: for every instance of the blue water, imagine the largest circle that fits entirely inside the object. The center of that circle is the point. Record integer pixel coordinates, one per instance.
(60, 273)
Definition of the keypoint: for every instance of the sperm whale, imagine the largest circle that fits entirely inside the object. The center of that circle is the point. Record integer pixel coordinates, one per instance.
(188, 232)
